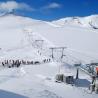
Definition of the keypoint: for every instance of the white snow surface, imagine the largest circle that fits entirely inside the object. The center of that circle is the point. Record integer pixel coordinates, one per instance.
(38, 81)
(18, 37)
(18, 32)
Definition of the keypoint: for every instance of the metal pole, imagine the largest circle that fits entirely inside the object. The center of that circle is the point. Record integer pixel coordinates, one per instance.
(52, 53)
(77, 74)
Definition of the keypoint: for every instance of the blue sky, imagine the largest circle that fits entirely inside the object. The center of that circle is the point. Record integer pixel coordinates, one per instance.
(51, 9)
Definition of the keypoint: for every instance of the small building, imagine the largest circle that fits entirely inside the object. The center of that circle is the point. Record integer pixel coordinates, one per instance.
(59, 77)
(66, 78)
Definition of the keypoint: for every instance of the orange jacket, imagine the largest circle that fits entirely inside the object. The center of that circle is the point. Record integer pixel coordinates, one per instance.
(96, 68)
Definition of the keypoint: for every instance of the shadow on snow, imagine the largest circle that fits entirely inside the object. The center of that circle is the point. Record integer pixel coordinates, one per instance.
(7, 94)
(82, 83)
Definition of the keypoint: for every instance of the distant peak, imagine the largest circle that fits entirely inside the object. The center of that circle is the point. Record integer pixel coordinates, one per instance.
(10, 12)
(87, 21)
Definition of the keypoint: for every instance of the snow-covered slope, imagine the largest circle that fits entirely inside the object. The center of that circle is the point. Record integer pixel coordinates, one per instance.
(17, 32)
(16, 39)
(39, 82)
(26, 38)
(79, 37)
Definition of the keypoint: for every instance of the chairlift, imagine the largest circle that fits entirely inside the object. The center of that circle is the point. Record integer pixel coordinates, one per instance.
(96, 64)
(77, 64)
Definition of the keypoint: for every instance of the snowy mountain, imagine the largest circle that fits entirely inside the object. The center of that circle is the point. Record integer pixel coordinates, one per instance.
(16, 36)
(89, 21)
(29, 39)
(19, 33)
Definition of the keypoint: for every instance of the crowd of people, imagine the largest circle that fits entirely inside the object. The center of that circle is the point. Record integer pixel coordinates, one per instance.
(11, 63)
(17, 63)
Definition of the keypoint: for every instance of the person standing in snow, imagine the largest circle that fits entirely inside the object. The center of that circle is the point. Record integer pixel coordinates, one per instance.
(93, 79)
(97, 71)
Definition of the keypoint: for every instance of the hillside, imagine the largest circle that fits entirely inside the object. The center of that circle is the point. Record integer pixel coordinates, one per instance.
(16, 39)
(29, 39)
(76, 34)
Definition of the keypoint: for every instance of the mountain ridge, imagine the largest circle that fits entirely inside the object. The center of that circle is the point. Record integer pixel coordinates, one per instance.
(87, 21)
